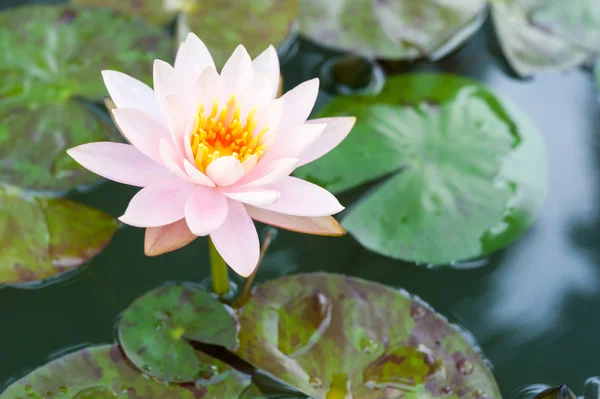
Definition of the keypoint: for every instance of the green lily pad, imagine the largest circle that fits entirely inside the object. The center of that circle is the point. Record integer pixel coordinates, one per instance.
(45, 237)
(156, 329)
(224, 24)
(577, 21)
(160, 12)
(469, 170)
(402, 29)
(52, 56)
(103, 372)
(221, 24)
(332, 336)
(527, 48)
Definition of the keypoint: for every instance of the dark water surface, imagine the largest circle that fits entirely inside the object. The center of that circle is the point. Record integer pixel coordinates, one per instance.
(532, 307)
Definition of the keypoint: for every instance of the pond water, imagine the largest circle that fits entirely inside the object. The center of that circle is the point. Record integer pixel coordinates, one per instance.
(532, 306)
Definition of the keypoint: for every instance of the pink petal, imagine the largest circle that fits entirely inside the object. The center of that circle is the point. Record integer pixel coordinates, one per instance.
(293, 141)
(252, 195)
(164, 84)
(237, 240)
(192, 58)
(336, 131)
(122, 163)
(270, 116)
(237, 71)
(167, 238)
(258, 92)
(249, 163)
(225, 171)
(299, 103)
(141, 130)
(209, 88)
(173, 160)
(205, 210)
(323, 226)
(196, 175)
(158, 204)
(179, 119)
(301, 198)
(127, 92)
(268, 61)
(269, 172)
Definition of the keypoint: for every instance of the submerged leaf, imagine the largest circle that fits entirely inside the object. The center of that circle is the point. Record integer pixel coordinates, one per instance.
(103, 372)
(401, 29)
(156, 329)
(559, 392)
(527, 48)
(332, 336)
(470, 169)
(45, 237)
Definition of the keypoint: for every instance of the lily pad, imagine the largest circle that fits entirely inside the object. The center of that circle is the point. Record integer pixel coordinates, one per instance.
(527, 48)
(469, 170)
(52, 56)
(160, 12)
(156, 329)
(103, 372)
(224, 24)
(45, 237)
(402, 29)
(332, 336)
(577, 21)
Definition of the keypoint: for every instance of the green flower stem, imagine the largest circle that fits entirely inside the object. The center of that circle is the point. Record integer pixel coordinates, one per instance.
(218, 270)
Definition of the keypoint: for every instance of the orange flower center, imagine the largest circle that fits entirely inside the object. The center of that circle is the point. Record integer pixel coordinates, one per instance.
(223, 133)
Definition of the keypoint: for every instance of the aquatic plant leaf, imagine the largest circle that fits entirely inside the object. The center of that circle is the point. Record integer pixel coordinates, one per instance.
(44, 237)
(559, 392)
(577, 21)
(470, 169)
(332, 336)
(103, 372)
(400, 29)
(527, 48)
(160, 12)
(52, 56)
(224, 24)
(156, 328)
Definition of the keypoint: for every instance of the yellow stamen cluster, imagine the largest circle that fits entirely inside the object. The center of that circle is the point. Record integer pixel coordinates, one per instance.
(223, 133)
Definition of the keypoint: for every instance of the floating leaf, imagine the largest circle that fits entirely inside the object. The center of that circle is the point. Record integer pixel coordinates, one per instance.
(45, 237)
(470, 169)
(577, 21)
(221, 24)
(401, 29)
(53, 55)
(103, 372)
(527, 48)
(160, 12)
(156, 329)
(559, 392)
(332, 336)
(224, 24)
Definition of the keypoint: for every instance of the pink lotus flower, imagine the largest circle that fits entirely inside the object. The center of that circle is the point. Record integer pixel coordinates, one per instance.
(214, 151)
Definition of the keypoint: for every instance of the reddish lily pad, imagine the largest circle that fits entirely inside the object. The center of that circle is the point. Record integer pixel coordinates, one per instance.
(42, 238)
(400, 29)
(52, 57)
(156, 328)
(332, 336)
(224, 24)
(103, 372)
(221, 24)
